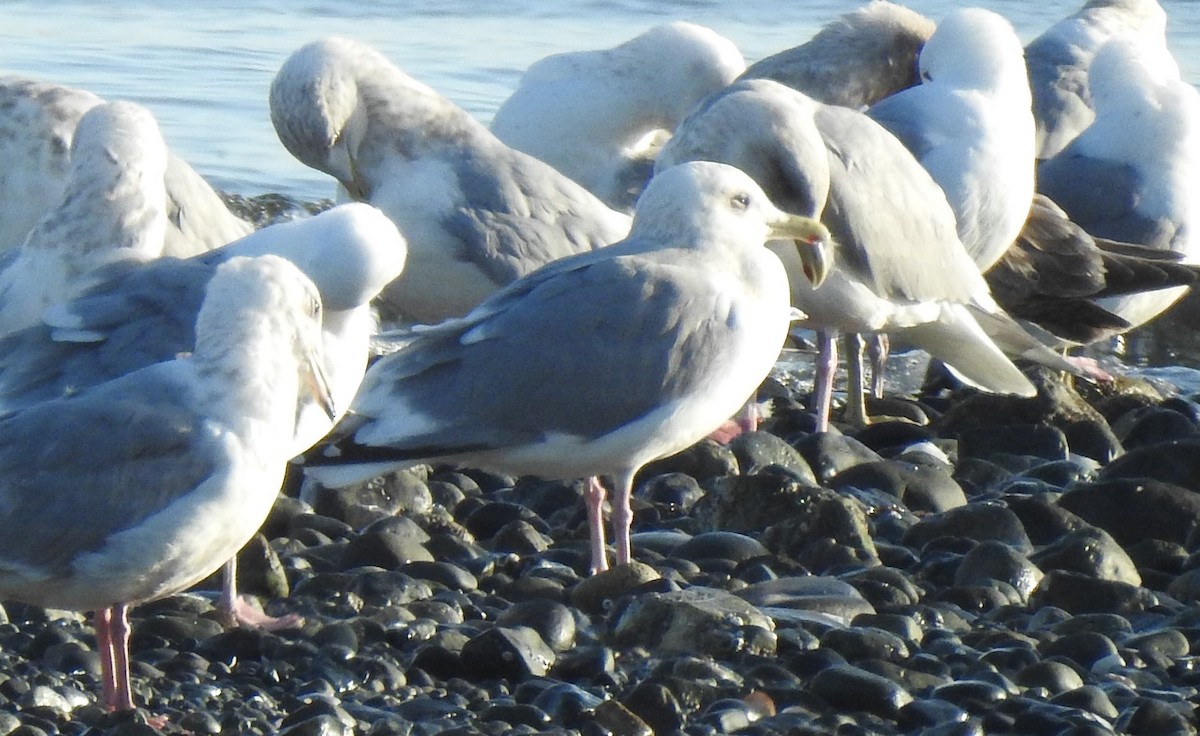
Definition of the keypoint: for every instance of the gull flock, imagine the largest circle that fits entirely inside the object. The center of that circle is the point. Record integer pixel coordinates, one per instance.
(601, 279)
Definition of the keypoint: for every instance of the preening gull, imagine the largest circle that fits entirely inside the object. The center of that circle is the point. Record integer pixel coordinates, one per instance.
(37, 124)
(855, 61)
(597, 116)
(597, 363)
(140, 314)
(477, 214)
(969, 124)
(113, 208)
(1132, 174)
(139, 488)
(1058, 62)
(900, 267)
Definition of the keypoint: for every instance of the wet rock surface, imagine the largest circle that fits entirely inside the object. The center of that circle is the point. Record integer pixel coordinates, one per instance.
(1010, 567)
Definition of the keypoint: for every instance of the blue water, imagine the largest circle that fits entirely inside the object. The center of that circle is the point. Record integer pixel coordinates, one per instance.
(204, 68)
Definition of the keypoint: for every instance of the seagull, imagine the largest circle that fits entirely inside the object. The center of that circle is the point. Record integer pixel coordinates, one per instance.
(1132, 174)
(113, 208)
(140, 487)
(599, 116)
(138, 314)
(37, 125)
(476, 214)
(900, 266)
(857, 60)
(969, 124)
(1058, 62)
(597, 363)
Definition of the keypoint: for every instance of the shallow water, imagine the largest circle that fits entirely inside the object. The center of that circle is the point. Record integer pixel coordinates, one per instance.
(204, 70)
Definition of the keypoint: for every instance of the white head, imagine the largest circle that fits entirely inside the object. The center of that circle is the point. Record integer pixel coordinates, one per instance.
(974, 48)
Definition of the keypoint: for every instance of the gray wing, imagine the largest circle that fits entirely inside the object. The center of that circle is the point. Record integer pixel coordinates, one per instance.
(200, 219)
(557, 357)
(1102, 197)
(520, 213)
(884, 203)
(75, 471)
(137, 315)
(902, 115)
(1058, 80)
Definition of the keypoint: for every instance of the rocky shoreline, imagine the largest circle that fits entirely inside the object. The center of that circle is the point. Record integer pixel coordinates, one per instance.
(981, 565)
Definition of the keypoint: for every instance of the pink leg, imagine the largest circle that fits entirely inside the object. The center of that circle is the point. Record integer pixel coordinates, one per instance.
(823, 380)
(595, 514)
(237, 611)
(856, 402)
(746, 420)
(622, 517)
(112, 636)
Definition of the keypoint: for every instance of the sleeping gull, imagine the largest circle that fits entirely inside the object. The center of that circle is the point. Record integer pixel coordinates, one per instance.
(969, 124)
(113, 208)
(140, 314)
(139, 488)
(855, 61)
(1058, 62)
(900, 266)
(1132, 174)
(477, 214)
(597, 363)
(597, 116)
(37, 124)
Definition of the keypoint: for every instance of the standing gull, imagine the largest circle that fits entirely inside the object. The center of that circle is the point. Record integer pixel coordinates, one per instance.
(1058, 62)
(969, 124)
(597, 363)
(141, 487)
(900, 266)
(37, 124)
(477, 214)
(597, 116)
(140, 314)
(1132, 174)
(113, 208)
(855, 61)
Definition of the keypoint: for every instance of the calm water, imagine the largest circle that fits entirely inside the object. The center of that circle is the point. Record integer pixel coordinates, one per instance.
(205, 71)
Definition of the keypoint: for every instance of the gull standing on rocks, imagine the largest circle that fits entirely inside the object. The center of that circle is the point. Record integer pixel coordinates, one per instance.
(1058, 62)
(476, 214)
(969, 124)
(140, 314)
(597, 363)
(900, 267)
(139, 488)
(599, 116)
(1134, 174)
(855, 61)
(37, 125)
(113, 208)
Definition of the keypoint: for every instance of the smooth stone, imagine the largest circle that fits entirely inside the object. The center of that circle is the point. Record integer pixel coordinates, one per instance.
(1088, 698)
(720, 545)
(613, 716)
(514, 652)
(1037, 440)
(976, 521)
(703, 461)
(881, 436)
(676, 492)
(991, 561)
(260, 571)
(545, 498)
(864, 642)
(1176, 462)
(656, 706)
(1055, 677)
(441, 573)
(1043, 517)
(593, 594)
(830, 453)
(384, 549)
(553, 621)
(517, 714)
(815, 593)
(929, 712)
(924, 488)
(1130, 509)
(520, 537)
(1090, 551)
(975, 696)
(978, 476)
(697, 620)
(1151, 425)
(1152, 717)
(848, 687)
(1078, 593)
(757, 451)
(822, 517)
(394, 494)
(484, 521)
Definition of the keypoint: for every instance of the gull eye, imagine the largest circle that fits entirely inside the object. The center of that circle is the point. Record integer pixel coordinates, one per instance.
(314, 307)
(740, 201)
